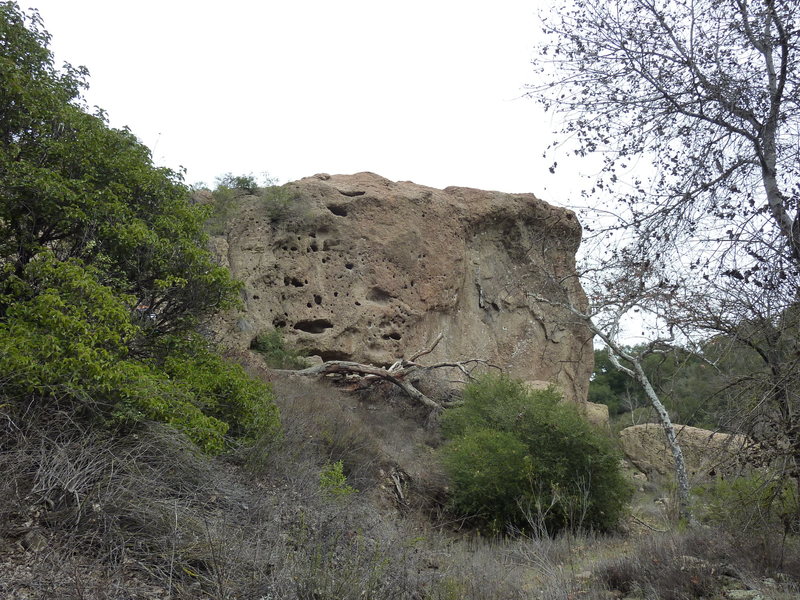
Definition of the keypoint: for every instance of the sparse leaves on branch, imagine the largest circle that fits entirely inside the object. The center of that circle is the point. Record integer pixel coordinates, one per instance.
(706, 91)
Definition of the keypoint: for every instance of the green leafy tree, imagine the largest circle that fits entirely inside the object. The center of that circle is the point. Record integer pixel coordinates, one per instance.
(72, 185)
(104, 271)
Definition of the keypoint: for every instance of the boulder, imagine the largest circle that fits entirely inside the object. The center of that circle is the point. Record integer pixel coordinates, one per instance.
(596, 414)
(357, 267)
(706, 453)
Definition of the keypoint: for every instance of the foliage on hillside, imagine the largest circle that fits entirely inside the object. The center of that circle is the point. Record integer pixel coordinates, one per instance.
(104, 274)
(708, 388)
(523, 459)
(272, 347)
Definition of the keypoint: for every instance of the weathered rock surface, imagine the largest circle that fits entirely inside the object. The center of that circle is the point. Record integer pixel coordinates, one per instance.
(363, 268)
(705, 452)
(597, 414)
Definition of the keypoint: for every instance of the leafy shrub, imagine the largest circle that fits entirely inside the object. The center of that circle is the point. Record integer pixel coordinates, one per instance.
(520, 458)
(333, 481)
(273, 348)
(222, 389)
(65, 342)
(104, 266)
(245, 183)
(278, 201)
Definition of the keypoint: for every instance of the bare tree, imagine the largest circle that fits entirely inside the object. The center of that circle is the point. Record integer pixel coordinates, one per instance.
(705, 90)
(706, 94)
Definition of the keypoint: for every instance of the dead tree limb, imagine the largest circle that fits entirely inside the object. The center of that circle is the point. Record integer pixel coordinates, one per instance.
(397, 373)
(344, 367)
(430, 349)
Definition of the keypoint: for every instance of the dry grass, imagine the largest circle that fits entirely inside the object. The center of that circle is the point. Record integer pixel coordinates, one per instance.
(146, 516)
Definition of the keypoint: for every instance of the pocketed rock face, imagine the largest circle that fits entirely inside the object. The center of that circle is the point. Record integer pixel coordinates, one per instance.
(362, 268)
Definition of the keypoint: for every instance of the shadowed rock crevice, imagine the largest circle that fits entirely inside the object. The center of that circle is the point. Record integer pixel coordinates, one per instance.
(313, 326)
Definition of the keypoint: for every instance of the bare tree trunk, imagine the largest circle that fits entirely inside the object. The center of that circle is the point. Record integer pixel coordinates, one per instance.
(672, 440)
(637, 373)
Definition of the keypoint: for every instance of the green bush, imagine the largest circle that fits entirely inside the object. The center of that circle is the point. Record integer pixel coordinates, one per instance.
(223, 389)
(104, 268)
(523, 459)
(245, 183)
(278, 201)
(65, 343)
(273, 348)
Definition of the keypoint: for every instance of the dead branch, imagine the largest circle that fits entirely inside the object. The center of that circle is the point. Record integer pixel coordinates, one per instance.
(344, 367)
(396, 374)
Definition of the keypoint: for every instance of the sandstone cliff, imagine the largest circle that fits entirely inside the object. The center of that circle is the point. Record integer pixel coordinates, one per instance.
(362, 268)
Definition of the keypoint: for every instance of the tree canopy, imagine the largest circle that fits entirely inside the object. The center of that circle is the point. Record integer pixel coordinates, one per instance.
(104, 267)
(706, 91)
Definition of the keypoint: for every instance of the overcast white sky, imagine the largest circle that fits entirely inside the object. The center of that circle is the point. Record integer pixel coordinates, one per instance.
(424, 90)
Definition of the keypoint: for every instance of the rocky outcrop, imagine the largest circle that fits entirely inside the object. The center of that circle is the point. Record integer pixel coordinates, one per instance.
(597, 414)
(707, 453)
(358, 267)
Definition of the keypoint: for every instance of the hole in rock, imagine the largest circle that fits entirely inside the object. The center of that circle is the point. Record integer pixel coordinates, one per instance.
(358, 303)
(293, 281)
(377, 294)
(309, 305)
(317, 299)
(313, 326)
(255, 297)
(351, 194)
(338, 210)
(349, 266)
(327, 355)
(392, 336)
(278, 323)
(314, 247)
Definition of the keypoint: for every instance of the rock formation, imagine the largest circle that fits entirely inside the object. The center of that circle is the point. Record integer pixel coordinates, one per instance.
(356, 267)
(707, 453)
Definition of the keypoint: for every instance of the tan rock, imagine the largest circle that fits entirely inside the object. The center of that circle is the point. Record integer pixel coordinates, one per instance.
(366, 269)
(596, 414)
(705, 452)
(537, 385)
